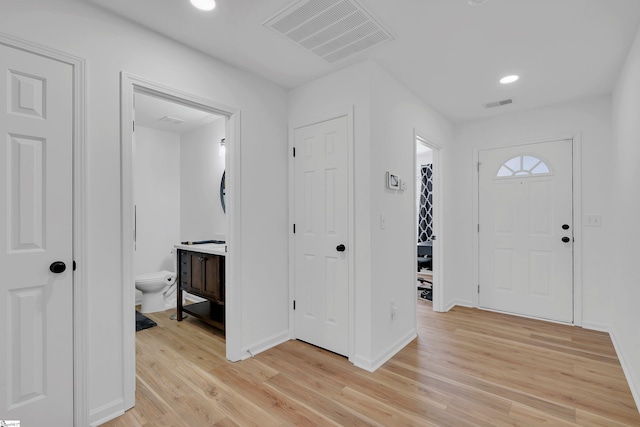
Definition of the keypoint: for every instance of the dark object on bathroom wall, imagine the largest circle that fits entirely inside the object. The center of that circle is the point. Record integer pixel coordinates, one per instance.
(143, 322)
(223, 193)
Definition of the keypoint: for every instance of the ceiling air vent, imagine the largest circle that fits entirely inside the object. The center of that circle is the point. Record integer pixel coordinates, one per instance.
(331, 29)
(171, 119)
(498, 103)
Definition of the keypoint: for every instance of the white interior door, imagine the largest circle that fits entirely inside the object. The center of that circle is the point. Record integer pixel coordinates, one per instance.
(321, 220)
(526, 230)
(36, 361)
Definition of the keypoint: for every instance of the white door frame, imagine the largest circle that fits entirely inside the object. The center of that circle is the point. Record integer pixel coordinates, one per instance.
(351, 220)
(438, 252)
(577, 217)
(80, 300)
(129, 85)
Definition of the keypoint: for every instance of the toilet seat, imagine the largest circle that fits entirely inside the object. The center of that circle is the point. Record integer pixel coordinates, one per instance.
(154, 277)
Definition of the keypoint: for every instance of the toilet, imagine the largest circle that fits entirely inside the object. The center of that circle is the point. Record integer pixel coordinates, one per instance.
(156, 288)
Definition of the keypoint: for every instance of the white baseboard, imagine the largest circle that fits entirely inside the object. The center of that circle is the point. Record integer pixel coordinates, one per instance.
(106, 412)
(597, 327)
(266, 344)
(372, 365)
(635, 388)
(460, 302)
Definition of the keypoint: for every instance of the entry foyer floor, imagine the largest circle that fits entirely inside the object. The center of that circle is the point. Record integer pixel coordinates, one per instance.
(466, 368)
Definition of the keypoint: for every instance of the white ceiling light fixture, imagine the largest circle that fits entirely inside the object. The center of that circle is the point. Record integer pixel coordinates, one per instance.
(204, 4)
(509, 79)
(476, 2)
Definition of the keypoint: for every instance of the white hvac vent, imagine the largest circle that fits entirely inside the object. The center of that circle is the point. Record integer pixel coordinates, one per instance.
(331, 29)
(171, 119)
(498, 103)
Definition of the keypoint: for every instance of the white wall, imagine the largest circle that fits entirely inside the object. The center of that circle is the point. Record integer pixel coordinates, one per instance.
(395, 113)
(111, 45)
(590, 118)
(624, 228)
(157, 197)
(201, 168)
(385, 115)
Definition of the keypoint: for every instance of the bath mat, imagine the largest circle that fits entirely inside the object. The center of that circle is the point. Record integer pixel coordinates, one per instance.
(143, 322)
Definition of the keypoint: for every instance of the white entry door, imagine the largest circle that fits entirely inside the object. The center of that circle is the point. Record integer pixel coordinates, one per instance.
(526, 230)
(36, 334)
(321, 235)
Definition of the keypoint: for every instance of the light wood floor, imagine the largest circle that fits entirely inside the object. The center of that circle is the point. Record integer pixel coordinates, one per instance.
(467, 368)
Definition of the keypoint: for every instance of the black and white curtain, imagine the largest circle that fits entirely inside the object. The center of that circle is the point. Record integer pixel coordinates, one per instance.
(425, 207)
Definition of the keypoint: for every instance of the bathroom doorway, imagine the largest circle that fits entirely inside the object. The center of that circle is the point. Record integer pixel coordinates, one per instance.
(178, 169)
(132, 88)
(427, 241)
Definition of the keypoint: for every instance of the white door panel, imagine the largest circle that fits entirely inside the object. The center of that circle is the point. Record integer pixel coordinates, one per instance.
(36, 364)
(525, 199)
(321, 212)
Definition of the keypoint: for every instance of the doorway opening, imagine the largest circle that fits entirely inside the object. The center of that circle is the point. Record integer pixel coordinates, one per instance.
(427, 219)
(221, 126)
(178, 168)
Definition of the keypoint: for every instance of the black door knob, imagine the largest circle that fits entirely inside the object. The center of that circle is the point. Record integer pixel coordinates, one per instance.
(340, 248)
(57, 267)
(565, 226)
(566, 239)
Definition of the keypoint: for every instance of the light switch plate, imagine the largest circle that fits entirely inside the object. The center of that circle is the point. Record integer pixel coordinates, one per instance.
(593, 220)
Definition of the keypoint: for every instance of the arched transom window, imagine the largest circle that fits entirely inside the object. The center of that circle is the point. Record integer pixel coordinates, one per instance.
(523, 166)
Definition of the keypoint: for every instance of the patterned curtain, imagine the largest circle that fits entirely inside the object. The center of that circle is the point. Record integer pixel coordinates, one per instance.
(425, 209)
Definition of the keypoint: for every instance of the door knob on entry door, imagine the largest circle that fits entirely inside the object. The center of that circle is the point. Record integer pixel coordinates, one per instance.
(57, 267)
(340, 248)
(566, 239)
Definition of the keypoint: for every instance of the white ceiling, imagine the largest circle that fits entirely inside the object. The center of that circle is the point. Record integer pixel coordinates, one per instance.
(150, 109)
(451, 54)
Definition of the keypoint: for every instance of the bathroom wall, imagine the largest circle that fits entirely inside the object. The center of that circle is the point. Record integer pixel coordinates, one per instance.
(157, 198)
(201, 168)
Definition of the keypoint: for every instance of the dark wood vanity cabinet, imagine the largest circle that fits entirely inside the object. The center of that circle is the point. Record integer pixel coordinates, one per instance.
(203, 275)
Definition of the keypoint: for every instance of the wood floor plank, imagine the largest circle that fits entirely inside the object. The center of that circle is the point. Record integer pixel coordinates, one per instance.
(466, 368)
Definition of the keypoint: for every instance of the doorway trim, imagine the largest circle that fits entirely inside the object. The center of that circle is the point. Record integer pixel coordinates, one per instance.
(308, 121)
(576, 139)
(419, 137)
(129, 85)
(80, 295)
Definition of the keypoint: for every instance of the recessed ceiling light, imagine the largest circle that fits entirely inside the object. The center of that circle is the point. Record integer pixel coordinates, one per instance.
(204, 4)
(509, 79)
(476, 2)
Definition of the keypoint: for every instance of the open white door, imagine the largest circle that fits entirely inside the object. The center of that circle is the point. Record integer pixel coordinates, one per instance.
(526, 230)
(36, 296)
(321, 235)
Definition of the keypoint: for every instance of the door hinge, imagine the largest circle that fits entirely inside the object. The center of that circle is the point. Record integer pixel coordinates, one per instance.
(478, 288)
(294, 229)
(478, 166)
(294, 151)
(134, 126)
(478, 228)
(294, 304)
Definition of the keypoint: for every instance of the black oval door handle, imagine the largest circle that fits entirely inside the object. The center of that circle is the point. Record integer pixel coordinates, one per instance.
(340, 248)
(565, 226)
(57, 267)
(566, 239)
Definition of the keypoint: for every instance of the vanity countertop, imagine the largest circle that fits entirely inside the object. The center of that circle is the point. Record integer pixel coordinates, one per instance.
(207, 248)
